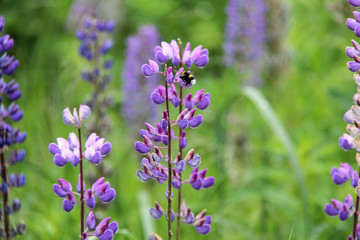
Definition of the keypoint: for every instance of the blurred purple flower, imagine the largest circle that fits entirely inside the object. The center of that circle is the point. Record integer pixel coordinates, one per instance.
(137, 87)
(245, 37)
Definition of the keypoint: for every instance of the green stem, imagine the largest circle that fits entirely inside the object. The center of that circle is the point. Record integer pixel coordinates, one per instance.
(4, 195)
(81, 187)
(356, 215)
(169, 159)
(177, 236)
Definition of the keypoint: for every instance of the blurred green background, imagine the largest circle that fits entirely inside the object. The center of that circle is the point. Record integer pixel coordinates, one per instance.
(272, 172)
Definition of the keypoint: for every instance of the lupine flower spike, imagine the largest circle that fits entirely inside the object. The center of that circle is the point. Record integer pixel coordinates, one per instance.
(245, 37)
(9, 137)
(136, 87)
(345, 172)
(70, 150)
(94, 49)
(168, 167)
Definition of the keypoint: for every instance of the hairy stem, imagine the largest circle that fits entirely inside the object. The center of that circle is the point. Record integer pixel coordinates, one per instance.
(4, 196)
(356, 215)
(169, 159)
(81, 187)
(177, 236)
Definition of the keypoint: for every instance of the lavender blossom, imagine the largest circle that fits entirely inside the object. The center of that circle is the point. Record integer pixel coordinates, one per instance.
(350, 140)
(70, 150)
(9, 136)
(245, 37)
(164, 168)
(136, 87)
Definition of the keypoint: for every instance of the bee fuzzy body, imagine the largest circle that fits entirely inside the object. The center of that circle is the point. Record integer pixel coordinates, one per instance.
(187, 78)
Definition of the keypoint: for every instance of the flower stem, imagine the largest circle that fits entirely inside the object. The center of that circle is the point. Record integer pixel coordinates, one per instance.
(356, 215)
(4, 196)
(180, 154)
(169, 159)
(81, 187)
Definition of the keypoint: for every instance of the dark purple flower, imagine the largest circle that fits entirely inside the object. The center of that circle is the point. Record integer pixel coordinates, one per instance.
(354, 179)
(201, 100)
(103, 191)
(106, 230)
(145, 147)
(346, 142)
(187, 119)
(90, 221)
(156, 212)
(197, 179)
(158, 96)
(353, 66)
(2, 23)
(342, 174)
(106, 46)
(63, 189)
(339, 208)
(69, 202)
(355, 3)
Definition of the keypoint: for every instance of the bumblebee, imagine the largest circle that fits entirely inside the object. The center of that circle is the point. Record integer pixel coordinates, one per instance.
(187, 78)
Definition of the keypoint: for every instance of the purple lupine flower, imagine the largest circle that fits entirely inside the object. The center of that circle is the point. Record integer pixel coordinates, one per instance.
(349, 141)
(137, 87)
(344, 210)
(9, 136)
(106, 230)
(90, 221)
(160, 135)
(198, 180)
(94, 47)
(342, 174)
(245, 37)
(200, 221)
(63, 189)
(355, 3)
(65, 150)
(156, 212)
(187, 119)
(70, 150)
(103, 191)
(96, 149)
(346, 142)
